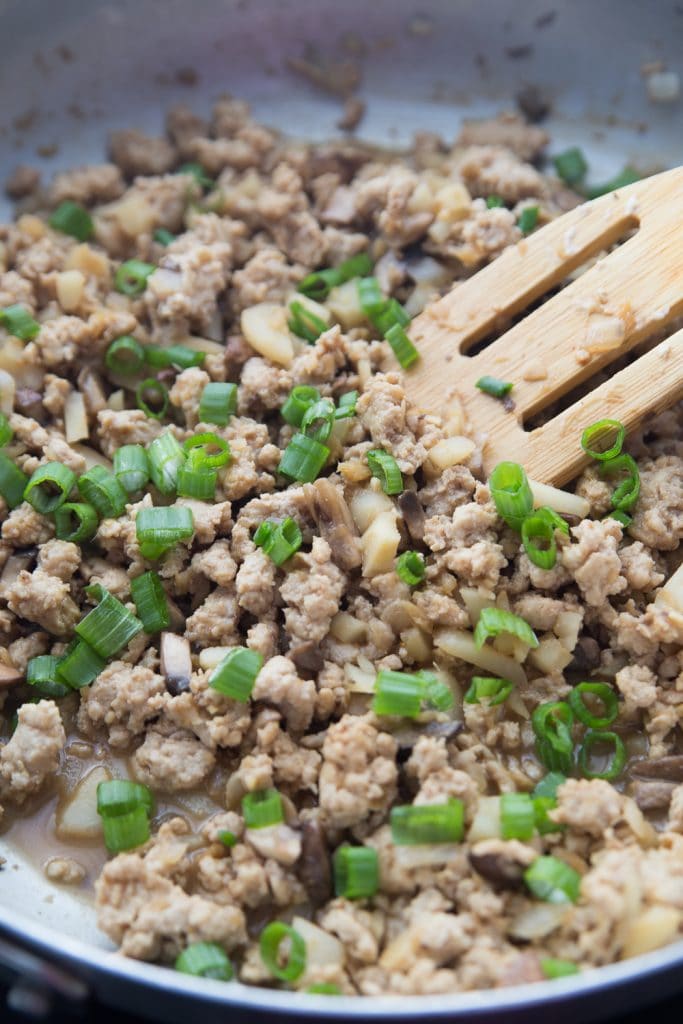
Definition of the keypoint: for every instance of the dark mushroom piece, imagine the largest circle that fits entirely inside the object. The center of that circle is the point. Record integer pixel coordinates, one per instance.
(307, 656)
(315, 867)
(9, 675)
(176, 662)
(29, 402)
(652, 795)
(669, 768)
(501, 863)
(334, 521)
(413, 515)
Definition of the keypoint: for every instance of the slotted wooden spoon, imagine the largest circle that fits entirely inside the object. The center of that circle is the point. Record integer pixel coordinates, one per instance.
(623, 299)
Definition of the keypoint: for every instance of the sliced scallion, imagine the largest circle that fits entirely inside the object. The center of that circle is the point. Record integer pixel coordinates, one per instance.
(41, 673)
(494, 387)
(152, 397)
(18, 322)
(196, 171)
(12, 481)
(385, 468)
(218, 403)
(402, 346)
(487, 688)
(76, 522)
(79, 665)
(511, 493)
(417, 824)
(236, 674)
(102, 490)
(554, 968)
(494, 202)
(571, 165)
(607, 697)
(304, 323)
(165, 457)
(131, 467)
(398, 694)
(109, 626)
(126, 831)
(262, 808)
(626, 493)
(528, 219)
(318, 285)
(300, 399)
(370, 296)
(538, 536)
(208, 451)
(553, 881)
(494, 621)
(150, 602)
(346, 406)
(175, 355)
(318, 420)
(125, 356)
(121, 796)
(303, 458)
(603, 440)
(552, 724)
(196, 482)
(410, 568)
(159, 529)
(278, 540)
(205, 960)
(163, 237)
(72, 219)
(293, 964)
(615, 765)
(356, 872)
(49, 487)
(131, 277)
(517, 816)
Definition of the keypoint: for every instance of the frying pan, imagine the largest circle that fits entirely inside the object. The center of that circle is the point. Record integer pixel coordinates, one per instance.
(72, 70)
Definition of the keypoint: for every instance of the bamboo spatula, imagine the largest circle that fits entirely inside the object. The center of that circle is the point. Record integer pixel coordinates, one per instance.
(623, 299)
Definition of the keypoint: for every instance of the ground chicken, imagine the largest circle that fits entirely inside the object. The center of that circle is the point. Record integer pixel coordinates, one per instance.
(31, 756)
(358, 774)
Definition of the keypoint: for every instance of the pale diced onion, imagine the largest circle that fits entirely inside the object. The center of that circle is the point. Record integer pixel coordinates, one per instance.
(486, 822)
(212, 656)
(344, 305)
(348, 629)
(75, 418)
(367, 504)
(451, 451)
(70, 287)
(655, 927)
(537, 921)
(264, 327)
(550, 656)
(379, 544)
(560, 501)
(322, 949)
(459, 643)
(7, 391)
(671, 594)
(359, 679)
(77, 817)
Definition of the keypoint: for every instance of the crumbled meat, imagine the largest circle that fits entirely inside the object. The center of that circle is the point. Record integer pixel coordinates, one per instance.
(594, 562)
(312, 594)
(32, 755)
(358, 774)
(122, 701)
(278, 683)
(382, 409)
(136, 153)
(86, 185)
(172, 762)
(45, 600)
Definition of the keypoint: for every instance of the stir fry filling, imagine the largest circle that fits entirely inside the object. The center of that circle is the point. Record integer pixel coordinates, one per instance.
(329, 708)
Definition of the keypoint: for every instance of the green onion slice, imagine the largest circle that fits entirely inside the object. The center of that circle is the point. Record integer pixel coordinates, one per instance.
(205, 960)
(304, 323)
(398, 694)
(152, 391)
(318, 285)
(121, 796)
(627, 492)
(196, 483)
(175, 355)
(131, 277)
(517, 816)
(538, 536)
(625, 177)
(79, 665)
(621, 517)
(159, 529)
(607, 697)
(553, 881)
(126, 831)
(494, 386)
(437, 694)
(198, 173)
(549, 785)
(218, 403)
(49, 487)
(544, 824)
(131, 467)
(511, 493)
(303, 458)
(72, 219)
(300, 399)
(391, 314)
(125, 356)
(163, 237)
(528, 219)
(553, 968)
(552, 724)
(493, 202)
(227, 838)
(571, 165)
(487, 688)
(615, 765)
(603, 440)
(415, 824)
(12, 481)
(236, 674)
(109, 626)
(150, 601)
(356, 872)
(165, 459)
(76, 522)
(104, 492)
(41, 673)
(324, 988)
(318, 419)
(410, 568)
(278, 540)
(372, 301)
(402, 346)
(494, 621)
(346, 405)
(262, 809)
(385, 468)
(18, 322)
(284, 967)
(201, 448)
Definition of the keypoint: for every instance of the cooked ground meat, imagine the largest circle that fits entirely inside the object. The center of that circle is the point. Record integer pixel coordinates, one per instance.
(283, 651)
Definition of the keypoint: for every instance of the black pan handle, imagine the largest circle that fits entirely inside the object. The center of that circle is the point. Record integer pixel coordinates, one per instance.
(36, 986)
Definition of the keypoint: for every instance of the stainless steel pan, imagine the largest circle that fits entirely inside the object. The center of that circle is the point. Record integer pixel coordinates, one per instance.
(71, 70)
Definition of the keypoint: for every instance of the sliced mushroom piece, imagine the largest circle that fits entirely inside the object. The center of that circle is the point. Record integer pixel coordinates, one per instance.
(29, 402)
(502, 862)
(9, 675)
(408, 736)
(334, 521)
(176, 662)
(315, 867)
(413, 515)
(307, 656)
(652, 795)
(669, 768)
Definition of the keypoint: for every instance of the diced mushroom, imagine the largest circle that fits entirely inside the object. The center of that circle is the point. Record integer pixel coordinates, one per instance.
(586, 654)
(669, 768)
(408, 736)
(413, 515)
(652, 795)
(335, 522)
(9, 675)
(176, 662)
(315, 869)
(502, 863)
(29, 402)
(307, 656)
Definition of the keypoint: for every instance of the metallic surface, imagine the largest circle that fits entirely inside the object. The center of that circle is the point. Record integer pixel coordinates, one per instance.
(74, 69)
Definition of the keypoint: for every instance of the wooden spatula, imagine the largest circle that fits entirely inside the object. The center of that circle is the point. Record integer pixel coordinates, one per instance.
(627, 296)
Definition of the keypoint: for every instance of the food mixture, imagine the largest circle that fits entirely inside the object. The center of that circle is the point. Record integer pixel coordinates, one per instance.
(348, 716)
